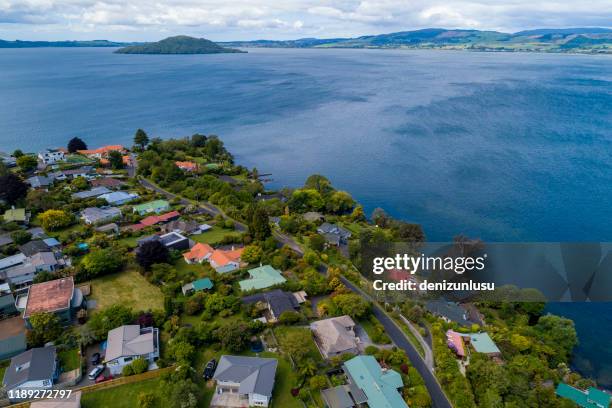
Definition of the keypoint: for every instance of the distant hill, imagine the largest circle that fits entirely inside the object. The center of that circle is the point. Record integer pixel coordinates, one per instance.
(63, 44)
(178, 45)
(576, 40)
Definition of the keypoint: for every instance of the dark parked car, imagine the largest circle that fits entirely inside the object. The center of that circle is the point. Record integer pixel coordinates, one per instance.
(95, 359)
(209, 370)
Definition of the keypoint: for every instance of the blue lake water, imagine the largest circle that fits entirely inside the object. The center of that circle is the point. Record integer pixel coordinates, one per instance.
(507, 147)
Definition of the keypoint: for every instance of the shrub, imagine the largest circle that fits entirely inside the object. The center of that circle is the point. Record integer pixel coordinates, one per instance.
(139, 366)
(127, 370)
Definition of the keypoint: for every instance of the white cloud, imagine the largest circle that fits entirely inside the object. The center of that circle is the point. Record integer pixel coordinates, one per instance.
(242, 19)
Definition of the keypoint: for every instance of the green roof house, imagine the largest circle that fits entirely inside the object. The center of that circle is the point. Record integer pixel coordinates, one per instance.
(198, 285)
(16, 215)
(482, 343)
(379, 386)
(156, 206)
(591, 398)
(261, 278)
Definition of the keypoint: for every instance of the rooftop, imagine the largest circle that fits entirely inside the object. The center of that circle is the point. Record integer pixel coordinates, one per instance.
(130, 340)
(261, 278)
(483, 343)
(380, 386)
(15, 214)
(334, 335)
(254, 374)
(49, 296)
(591, 398)
(36, 364)
(151, 206)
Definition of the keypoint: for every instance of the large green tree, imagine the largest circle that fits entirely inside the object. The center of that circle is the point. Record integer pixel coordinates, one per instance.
(12, 188)
(141, 139)
(46, 327)
(101, 262)
(76, 144)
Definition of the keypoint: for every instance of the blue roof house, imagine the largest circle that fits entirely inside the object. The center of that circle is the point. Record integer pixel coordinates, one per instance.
(379, 386)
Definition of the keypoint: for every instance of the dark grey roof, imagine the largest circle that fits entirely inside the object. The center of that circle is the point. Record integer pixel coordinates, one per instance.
(278, 300)
(327, 228)
(332, 238)
(5, 239)
(13, 345)
(449, 310)
(37, 233)
(254, 374)
(33, 365)
(34, 247)
(337, 397)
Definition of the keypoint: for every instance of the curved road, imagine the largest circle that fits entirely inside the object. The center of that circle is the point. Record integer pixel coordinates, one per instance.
(434, 388)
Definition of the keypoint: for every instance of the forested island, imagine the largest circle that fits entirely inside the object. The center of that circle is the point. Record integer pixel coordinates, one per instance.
(178, 45)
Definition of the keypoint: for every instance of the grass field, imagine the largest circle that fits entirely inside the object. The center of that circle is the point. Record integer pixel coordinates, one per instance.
(123, 396)
(214, 235)
(69, 359)
(128, 288)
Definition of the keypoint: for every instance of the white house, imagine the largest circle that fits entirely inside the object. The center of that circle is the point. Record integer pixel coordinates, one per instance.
(36, 368)
(244, 381)
(51, 156)
(129, 342)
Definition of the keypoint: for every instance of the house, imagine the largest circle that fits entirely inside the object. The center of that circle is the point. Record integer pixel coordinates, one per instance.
(37, 233)
(7, 303)
(108, 182)
(129, 342)
(334, 234)
(188, 227)
(276, 301)
(8, 160)
(84, 172)
(18, 215)
(5, 239)
(197, 286)
(335, 336)
(155, 219)
(12, 337)
(198, 253)
(226, 260)
(449, 312)
(379, 387)
(36, 368)
(454, 341)
(119, 197)
(12, 261)
(101, 152)
(174, 240)
(45, 261)
(52, 243)
(51, 156)
(73, 401)
(33, 247)
(20, 276)
(482, 343)
(186, 165)
(109, 229)
(244, 381)
(312, 216)
(91, 193)
(591, 398)
(261, 278)
(40, 181)
(156, 206)
(95, 215)
(58, 296)
(340, 396)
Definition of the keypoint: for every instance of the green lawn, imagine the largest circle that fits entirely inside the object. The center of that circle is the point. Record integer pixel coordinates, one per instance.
(128, 288)
(123, 396)
(183, 269)
(214, 235)
(69, 359)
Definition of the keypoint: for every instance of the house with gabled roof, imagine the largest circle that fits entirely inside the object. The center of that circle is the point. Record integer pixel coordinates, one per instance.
(379, 386)
(226, 260)
(186, 165)
(129, 342)
(91, 193)
(18, 215)
(262, 277)
(244, 381)
(276, 301)
(198, 253)
(96, 215)
(591, 398)
(118, 197)
(197, 286)
(36, 368)
(335, 336)
(156, 206)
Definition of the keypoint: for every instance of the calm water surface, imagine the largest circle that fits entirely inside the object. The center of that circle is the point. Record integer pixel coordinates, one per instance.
(506, 147)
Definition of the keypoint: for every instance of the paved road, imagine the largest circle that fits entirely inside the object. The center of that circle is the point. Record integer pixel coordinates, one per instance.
(434, 388)
(429, 360)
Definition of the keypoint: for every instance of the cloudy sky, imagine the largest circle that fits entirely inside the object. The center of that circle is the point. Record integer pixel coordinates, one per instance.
(136, 20)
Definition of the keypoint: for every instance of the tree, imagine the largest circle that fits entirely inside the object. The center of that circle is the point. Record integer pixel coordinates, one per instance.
(46, 327)
(319, 183)
(20, 237)
(182, 352)
(308, 367)
(17, 153)
(43, 276)
(107, 319)
(358, 214)
(140, 365)
(317, 242)
(252, 253)
(55, 219)
(296, 344)
(152, 252)
(101, 262)
(76, 144)
(27, 163)
(340, 202)
(259, 226)
(410, 232)
(12, 188)
(318, 382)
(306, 200)
(115, 159)
(352, 305)
(233, 336)
(141, 139)
(381, 218)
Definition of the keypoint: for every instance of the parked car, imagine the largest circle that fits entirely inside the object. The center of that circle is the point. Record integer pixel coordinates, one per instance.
(209, 370)
(102, 378)
(97, 370)
(95, 359)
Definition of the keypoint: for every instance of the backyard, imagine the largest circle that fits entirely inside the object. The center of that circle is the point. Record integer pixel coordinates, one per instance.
(69, 359)
(214, 235)
(123, 396)
(128, 288)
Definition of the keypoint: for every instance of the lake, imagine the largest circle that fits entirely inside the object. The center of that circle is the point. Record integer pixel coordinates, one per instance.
(506, 147)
